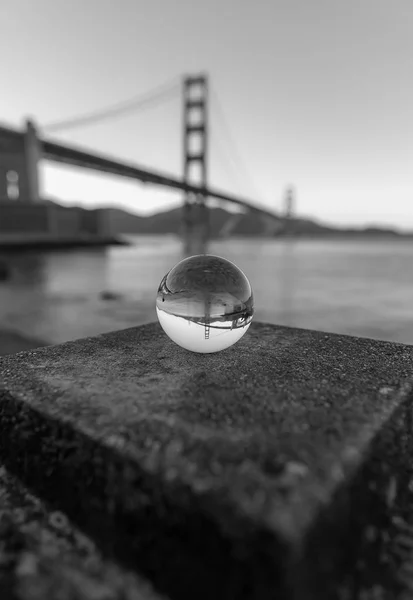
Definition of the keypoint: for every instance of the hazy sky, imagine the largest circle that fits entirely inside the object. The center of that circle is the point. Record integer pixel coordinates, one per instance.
(317, 93)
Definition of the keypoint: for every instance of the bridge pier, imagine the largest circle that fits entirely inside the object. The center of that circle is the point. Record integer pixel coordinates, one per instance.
(33, 153)
(195, 123)
(19, 161)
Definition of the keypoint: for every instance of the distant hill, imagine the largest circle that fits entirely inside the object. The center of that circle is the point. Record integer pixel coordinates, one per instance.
(225, 223)
(221, 222)
(171, 222)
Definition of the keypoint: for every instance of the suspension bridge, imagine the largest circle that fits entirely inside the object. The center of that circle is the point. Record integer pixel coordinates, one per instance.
(22, 150)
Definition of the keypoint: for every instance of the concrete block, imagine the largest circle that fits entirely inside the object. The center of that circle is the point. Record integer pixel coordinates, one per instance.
(279, 468)
(43, 556)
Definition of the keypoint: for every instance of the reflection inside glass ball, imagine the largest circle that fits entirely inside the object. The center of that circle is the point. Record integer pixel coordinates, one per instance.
(205, 303)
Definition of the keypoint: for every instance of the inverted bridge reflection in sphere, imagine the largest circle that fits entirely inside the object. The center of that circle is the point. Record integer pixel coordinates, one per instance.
(205, 303)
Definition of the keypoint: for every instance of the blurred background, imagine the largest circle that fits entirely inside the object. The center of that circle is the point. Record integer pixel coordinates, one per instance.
(277, 134)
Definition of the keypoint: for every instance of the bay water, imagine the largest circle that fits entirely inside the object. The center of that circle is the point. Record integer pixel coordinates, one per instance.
(362, 287)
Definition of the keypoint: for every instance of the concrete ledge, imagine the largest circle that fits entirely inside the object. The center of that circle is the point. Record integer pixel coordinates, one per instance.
(44, 557)
(280, 468)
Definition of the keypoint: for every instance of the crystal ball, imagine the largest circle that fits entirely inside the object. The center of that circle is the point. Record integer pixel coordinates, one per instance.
(205, 303)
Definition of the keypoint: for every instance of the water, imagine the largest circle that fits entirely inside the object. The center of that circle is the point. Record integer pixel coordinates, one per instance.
(360, 288)
(205, 303)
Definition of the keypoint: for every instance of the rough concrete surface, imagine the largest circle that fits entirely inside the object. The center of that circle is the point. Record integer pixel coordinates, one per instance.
(279, 468)
(43, 556)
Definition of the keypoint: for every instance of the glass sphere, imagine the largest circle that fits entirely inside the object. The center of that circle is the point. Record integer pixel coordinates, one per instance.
(205, 303)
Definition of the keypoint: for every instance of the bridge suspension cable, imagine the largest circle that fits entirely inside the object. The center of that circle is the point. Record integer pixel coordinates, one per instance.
(223, 153)
(233, 154)
(143, 101)
(228, 163)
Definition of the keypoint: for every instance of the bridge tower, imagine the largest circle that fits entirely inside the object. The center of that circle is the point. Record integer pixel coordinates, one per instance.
(289, 209)
(289, 203)
(195, 138)
(19, 164)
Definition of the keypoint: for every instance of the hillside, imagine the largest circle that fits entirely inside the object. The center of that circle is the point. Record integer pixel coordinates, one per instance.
(223, 222)
(220, 222)
(171, 222)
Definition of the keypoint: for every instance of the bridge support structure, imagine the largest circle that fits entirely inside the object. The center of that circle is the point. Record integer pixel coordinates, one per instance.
(33, 154)
(25, 217)
(195, 143)
(19, 165)
(289, 209)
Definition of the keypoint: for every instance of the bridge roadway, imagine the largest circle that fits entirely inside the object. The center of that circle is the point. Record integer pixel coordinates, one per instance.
(70, 155)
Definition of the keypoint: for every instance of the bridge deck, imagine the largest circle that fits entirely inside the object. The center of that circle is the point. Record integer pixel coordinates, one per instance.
(77, 157)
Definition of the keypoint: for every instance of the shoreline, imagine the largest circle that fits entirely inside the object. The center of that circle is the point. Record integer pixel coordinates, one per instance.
(12, 342)
(24, 244)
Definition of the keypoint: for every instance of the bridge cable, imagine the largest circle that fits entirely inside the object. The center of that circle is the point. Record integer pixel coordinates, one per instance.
(235, 154)
(151, 98)
(225, 156)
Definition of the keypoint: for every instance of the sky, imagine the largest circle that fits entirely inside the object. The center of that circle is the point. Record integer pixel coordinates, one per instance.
(315, 94)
